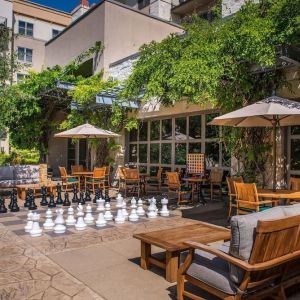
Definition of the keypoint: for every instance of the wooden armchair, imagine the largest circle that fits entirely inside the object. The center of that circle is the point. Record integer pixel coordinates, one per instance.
(174, 185)
(247, 199)
(97, 179)
(155, 180)
(68, 180)
(132, 182)
(232, 192)
(294, 185)
(215, 181)
(275, 250)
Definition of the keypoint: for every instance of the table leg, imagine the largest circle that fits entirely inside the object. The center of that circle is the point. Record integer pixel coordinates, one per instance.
(145, 254)
(171, 266)
(200, 194)
(21, 193)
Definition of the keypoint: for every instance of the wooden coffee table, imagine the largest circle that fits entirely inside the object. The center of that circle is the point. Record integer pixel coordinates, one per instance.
(172, 241)
(22, 188)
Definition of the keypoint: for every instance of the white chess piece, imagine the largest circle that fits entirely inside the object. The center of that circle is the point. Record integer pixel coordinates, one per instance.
(108, 216)
(119, 219)
(80, 212)
(49, 224)
(124, 211)
(152, 211)
(80, 225)
(119, 201)
(140, 210)
(100, 204)
(29, 223)
(101, 222)
(133, 217)
(36, 230)
(59, 222)
(70, 219)
(154, 205)
(133, 203)
(89, 219)
(164, 212)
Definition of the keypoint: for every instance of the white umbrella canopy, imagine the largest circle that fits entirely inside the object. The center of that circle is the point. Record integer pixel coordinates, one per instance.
(271, 112)
(86, 131)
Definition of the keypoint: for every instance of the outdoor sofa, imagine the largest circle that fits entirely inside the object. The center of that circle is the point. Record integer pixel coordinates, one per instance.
(262, 257)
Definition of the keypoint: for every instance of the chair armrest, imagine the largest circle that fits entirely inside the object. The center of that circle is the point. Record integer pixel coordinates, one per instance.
(256, 203)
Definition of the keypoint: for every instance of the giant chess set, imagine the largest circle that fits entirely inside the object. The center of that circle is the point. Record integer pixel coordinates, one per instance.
(80, 212)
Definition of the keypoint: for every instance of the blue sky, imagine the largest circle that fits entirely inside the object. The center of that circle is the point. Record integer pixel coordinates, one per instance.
(65, 5)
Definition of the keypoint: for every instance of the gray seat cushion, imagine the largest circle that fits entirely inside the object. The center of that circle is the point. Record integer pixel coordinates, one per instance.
(6, 173)
(213, 271)
(292, 210)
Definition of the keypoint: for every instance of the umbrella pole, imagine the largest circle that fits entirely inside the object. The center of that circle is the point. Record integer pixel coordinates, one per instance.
(274, 123)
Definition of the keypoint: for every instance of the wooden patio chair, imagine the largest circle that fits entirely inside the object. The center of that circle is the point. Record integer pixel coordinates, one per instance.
(76, 168)
(121, 177)
(294, 185)
(97, 179)
(155, 180)
(174, 185)
(232, 192)
(68, 180)
(215, 181)
(247, 199)
(107, 175)
(275, 250)
(132, 182)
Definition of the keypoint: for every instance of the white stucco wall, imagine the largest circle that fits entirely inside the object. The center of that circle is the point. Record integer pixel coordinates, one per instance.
(6, 11)
(122, 70)
(230, 7)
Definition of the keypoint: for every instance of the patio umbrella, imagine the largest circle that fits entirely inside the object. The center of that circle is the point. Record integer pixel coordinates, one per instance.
(270, 112)
(86, 131)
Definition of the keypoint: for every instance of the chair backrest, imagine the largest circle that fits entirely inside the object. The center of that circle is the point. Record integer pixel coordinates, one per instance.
(246, 192)
(230, 183)
(63, 171)
(76, 168)
(159, 173)
(121, 172)
(131, 174)
(294, 184)
(107, 170)
(99, 172)
(216, 175)
(173, 178)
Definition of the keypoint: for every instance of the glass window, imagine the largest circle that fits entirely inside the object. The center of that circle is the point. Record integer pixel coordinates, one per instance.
(153, 171)
(25, 54)
(195, 148)
(295, 154)
(166, 154)
(154, 153)
(143, 131)
(143, 153)
(55, 32)
(133, 133)
(25, 28)
(21, 77)
(180, 154)
(211, 131)
(154, 130)
(295, 130)
(142, 169)
(195, 127)
(82, 151)
(133, 153)
(226, 157)
(212, 154)
(166, 129)
(180, 129)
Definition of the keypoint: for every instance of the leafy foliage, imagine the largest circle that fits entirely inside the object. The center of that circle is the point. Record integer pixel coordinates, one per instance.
(17, 156)
(212, 63)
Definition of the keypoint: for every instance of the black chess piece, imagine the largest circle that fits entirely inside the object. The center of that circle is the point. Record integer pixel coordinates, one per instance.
(11, 197)
(3, 209)
(59, 200)
(97, 195)
(66, 200)
(75, 196)
(88, 196)
(81, 198)
(44, 201)
(32, 205)
(51, 202)
(106, 197)
(27, 199)
(14, 206)
(100, 194)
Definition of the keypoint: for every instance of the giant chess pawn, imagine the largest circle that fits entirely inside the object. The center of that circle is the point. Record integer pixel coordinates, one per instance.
(119, 201)
(75, 195)
(52, 203)
(49, 224)
(3, 209)
(27, 199)
(36, 230)
(124, 211)
(133, 203)
(66, 200)
(59, 200)
(100, 204)
(164, 212)
(140, 210)
(119, 219)
(32, 205)
(59, 222)
(101, 222)
(80, 212)
(88, 196)
(89, 219)
(81, 198)
(133, 217)
(151, 211)
(97, 195)
(106, 196)
(108, 216)
(80, 225)
(14, 206)
(44, 201)
(29, 223)
(70, 219)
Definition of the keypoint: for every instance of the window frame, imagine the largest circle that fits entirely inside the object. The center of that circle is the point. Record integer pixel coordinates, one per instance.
(26, 29)
(25, 55)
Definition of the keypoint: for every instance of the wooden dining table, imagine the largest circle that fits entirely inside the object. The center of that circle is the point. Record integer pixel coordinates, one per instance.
(81, 176)
(278, 195)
